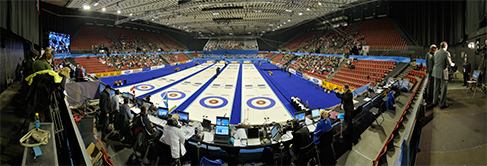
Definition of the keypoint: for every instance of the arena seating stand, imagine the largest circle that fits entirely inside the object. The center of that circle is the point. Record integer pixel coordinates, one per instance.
(366, 71)
(149, 36)
(93, 65)
(182, 57)
(119, 32)
(171, 44)
(278, 58)
(381, 34)
(296, 41)
(88, 36)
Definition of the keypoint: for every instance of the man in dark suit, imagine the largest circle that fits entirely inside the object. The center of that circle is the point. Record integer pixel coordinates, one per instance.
(347, 102)
(27, 63)
(440, 73)
(106, 109)
(467, 68)
(430, 62)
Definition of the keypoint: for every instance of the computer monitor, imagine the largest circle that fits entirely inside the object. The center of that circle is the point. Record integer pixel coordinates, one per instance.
(222, 121)
(125, 95)
(300, 116)
(475, 75)
(162, 112)
(183, 116)
(207, 124)
(253, 133)
(274, 131)
(139, 101)
(315, 113)
(147, 105)
(221, 130)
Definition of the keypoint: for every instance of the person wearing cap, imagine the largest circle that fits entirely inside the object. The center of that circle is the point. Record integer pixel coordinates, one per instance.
(430, 62)
(322, 127)
(106, 109)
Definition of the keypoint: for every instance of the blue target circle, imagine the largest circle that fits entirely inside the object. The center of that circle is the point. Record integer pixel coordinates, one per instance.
(180, 97)
(202, 102)
(249, 103)
(144, 87)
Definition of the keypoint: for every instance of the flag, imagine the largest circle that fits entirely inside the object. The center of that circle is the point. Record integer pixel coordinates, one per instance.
(165, 100)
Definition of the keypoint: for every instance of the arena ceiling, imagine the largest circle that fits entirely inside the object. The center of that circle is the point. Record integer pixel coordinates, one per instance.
(217, 17)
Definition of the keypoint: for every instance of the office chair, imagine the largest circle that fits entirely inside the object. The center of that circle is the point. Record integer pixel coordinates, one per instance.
(165, 155)
(326, 142)
(307, 154)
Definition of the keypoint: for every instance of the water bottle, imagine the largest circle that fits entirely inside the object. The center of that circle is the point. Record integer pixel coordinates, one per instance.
(37, 121)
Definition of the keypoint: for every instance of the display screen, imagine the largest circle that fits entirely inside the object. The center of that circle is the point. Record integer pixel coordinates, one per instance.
(475, 75)
(162, 112)
(139, 101)
(300, 116)
(59, 43)
(222, 121)
(274, 131)
(183, 116)
(315, 113)
(206, 123)
(221, 130)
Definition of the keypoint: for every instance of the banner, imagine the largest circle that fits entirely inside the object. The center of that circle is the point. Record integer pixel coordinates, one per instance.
(315, 80)
(146, 69)
(299, 74)
(136, 70)
(210, 62)
(126, 71)
(331, 86)
(292, 71)
(108, 74)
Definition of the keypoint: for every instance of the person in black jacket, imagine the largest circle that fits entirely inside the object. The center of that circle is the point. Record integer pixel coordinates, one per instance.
(106, 109)
(300, 139)
(467, 69)
(147, 125)
(27, 63)
(347, 102)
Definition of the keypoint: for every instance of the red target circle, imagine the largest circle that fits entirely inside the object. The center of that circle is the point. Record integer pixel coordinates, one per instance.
(260, 102)
(173, 95)
(213, 101)
(144, 87)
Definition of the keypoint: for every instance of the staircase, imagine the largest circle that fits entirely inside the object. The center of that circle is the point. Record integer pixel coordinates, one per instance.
(355, 28)
(167, 47)
(190, 56)
(175, 41)
(408, 40)
(114, 38)
(273, 56)
(340, 65)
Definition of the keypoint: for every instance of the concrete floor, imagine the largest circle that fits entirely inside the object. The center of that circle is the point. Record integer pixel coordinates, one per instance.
(456, 135)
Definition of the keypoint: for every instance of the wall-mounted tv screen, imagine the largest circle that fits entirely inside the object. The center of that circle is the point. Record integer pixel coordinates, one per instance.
(59, 42)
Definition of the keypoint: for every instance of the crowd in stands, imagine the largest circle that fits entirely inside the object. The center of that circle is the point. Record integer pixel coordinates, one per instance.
(230, 56)
(286, 58)
(132, 61)
(334, 43)
(228, 45)
(322, 65)
(128, 45)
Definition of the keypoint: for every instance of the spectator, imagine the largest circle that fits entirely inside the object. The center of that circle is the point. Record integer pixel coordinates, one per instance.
(43, 63)
(28, 63)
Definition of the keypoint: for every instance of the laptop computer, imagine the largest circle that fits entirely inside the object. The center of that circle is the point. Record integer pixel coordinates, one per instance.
(253, 138)
(276, 135)
(221, 135)
(206, 125)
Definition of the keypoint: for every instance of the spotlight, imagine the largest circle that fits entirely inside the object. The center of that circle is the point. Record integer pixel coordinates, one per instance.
(471, 45)
(288, 20)
(118, 11)
(86, 7)
(130, 14)
(103, 9)
(319, 3)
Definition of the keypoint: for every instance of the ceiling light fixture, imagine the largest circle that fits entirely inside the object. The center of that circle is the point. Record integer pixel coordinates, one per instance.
(288, 10)
(319, 3)
(130, 14)
(300, 14)
(307, 9)
(288, 20)
(118, 11)
(216, 14)
(86, 7)
(103, 9)
(96, 4)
